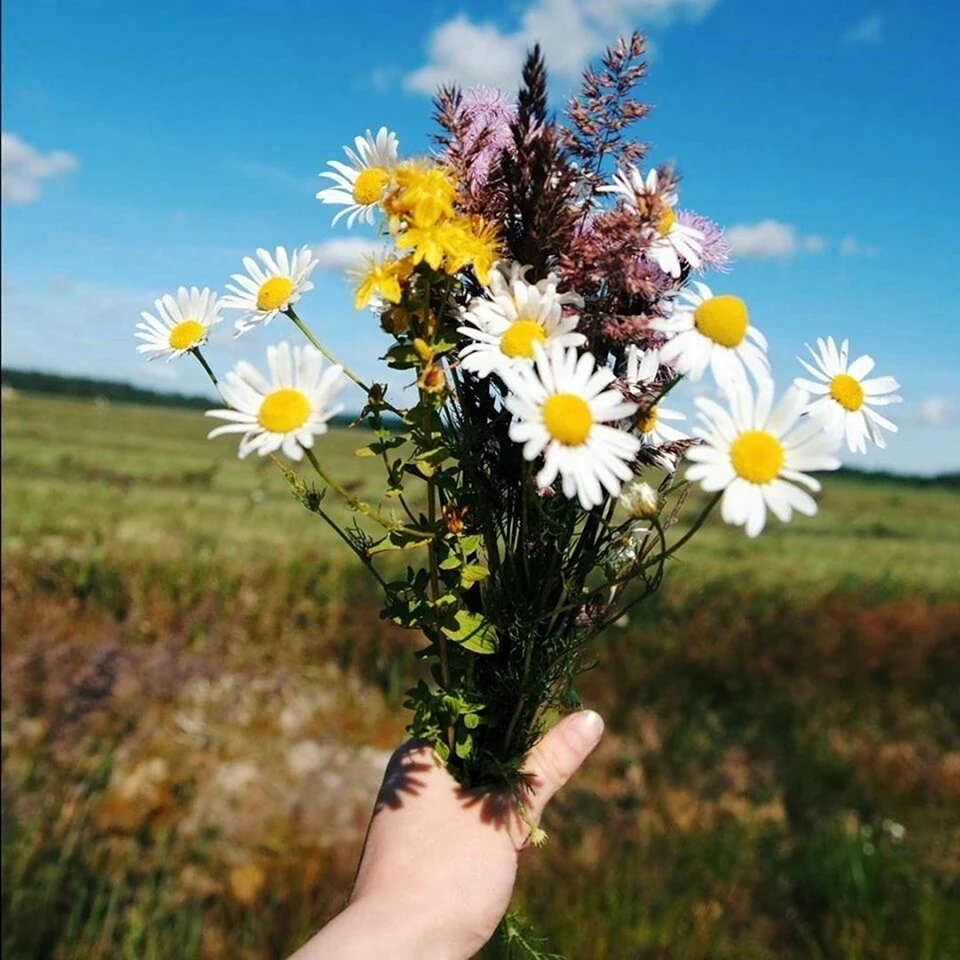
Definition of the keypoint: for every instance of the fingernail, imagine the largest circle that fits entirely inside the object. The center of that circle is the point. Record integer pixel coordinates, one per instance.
(583, 730)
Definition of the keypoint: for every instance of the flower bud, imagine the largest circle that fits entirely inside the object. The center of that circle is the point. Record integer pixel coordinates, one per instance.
(640, 500)
(395, 321)
(432, 380)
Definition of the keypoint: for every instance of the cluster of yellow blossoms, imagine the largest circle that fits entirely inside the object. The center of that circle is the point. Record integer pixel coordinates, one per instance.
(418, 199)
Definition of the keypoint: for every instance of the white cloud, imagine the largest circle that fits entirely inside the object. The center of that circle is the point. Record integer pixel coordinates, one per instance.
(460, 51)
(864, 32)
(382, 79)
(569, 31)
(767, 240)
(23, 168)
(851, 247)
(936, 411)
(814, 244)
(341, 253)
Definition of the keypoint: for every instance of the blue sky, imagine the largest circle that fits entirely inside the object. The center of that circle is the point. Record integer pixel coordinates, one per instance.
(152, 145)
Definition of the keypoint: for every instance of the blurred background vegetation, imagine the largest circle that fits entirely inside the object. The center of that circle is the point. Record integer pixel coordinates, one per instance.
(199, 698)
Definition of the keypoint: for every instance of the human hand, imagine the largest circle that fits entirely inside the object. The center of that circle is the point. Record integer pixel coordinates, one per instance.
(439, 862)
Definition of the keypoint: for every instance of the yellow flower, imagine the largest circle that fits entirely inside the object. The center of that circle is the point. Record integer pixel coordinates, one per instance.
(469, 240)
(485, 248)
(428, 243)
(457, 243)
(422, 195)
(382, 277)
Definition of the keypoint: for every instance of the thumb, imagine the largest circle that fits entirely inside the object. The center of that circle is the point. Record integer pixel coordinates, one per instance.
(557, 756)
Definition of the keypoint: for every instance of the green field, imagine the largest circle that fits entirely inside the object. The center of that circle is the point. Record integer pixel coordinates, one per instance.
(198, 694)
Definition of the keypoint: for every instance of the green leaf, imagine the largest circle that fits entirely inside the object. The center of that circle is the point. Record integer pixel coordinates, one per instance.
(451, 562)
(473, 573)
(402, 356)
(470, 544)
(464, 745)
(399, 540)
(473, 632)
(471, 721)
(380, 446)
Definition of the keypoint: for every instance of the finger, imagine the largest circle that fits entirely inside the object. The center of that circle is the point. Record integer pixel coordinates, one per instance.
(557, 756)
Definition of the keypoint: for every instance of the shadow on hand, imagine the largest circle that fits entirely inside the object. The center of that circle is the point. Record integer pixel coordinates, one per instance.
(412, 762)
(499, 802)
(404, 775)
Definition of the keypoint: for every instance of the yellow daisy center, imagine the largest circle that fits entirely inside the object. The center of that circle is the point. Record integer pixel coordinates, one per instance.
(847, 392)
(283, 411)
(274, 293)
(723, 320)
(520, 337)
(368, 187)
(649, 420)
(757, 456)
(666, 222)
(186, 335)
(567, 418)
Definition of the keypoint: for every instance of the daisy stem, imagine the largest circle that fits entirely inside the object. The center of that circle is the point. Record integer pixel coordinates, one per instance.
(697, 524)
(304, 329)
(206, 366)
(364, 559)
(354, 503)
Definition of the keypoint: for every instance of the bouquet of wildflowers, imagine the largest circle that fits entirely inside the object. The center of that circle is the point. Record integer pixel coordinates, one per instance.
(538, 288)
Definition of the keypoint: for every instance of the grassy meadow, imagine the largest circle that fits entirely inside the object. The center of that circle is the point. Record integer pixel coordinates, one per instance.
(199, 698)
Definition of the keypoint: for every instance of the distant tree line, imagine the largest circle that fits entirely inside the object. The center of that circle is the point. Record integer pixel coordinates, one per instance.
(29, 381)
(51, 383)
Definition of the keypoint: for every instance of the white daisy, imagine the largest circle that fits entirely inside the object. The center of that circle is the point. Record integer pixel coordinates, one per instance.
(845, 398)
(285, 412)
(669, 240)
(563, 406)
(712, 331)
(755, 454)
(642, 368)
(359, 187)
(264, 291)
(182, 323)
(518, 317)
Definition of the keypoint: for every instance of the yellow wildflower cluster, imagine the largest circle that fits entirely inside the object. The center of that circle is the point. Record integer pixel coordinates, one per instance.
(421, 195)
(420, 207)
(382, 278)
(419, 203)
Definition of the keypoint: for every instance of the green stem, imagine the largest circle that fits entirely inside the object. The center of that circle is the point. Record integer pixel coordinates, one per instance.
(697, 524)
(661, 559)
(520, 702)
(364, 559)
(434, 571)
(305, 330)
(354, 503)
(206, 366)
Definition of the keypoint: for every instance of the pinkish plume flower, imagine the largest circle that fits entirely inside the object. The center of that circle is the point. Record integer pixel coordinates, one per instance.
(715, 250)
(489, 115)
(645, 279)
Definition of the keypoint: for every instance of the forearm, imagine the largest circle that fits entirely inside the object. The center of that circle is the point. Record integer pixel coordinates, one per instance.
(370, 930)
